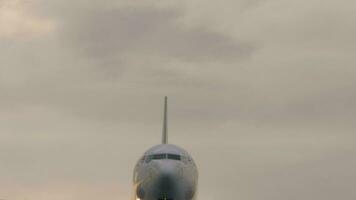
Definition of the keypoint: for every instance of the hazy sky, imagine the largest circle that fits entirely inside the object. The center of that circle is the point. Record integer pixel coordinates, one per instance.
(262, 93)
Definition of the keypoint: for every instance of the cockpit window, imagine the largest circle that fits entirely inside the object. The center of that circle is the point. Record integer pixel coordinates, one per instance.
(155, 157)
(162, 156)
(173, 157)
(158, 156)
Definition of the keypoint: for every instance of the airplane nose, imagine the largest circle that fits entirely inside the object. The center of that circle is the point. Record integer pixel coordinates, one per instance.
(166, 182)
(167, 179)
(167, 169)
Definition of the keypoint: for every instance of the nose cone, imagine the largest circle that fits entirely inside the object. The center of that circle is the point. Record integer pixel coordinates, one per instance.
(167, 181)
(168, 168)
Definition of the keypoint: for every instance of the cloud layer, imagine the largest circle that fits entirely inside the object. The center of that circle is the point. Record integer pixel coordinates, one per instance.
(270, 85)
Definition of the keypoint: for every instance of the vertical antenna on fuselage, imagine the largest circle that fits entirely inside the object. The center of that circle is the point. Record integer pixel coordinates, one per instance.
(165, 131)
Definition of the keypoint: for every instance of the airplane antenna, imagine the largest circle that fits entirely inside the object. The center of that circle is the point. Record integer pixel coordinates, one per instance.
(165, 131)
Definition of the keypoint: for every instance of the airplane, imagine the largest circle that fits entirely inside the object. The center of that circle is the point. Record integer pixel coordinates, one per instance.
(165, 171)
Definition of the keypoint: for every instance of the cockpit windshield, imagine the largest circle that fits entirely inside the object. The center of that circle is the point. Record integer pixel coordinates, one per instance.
(173, 157)
(162, 156)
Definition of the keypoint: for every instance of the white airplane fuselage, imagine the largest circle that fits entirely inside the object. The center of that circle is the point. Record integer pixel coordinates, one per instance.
(165, 172)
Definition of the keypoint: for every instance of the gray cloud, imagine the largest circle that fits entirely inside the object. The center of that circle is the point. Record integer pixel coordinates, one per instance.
(116, 32)
(269, 85)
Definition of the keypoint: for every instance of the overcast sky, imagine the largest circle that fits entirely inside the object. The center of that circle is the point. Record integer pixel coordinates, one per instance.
(262, 93)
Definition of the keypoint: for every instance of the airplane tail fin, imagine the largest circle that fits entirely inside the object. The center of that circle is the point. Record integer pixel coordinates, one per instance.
(165, 131)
